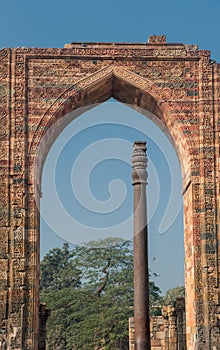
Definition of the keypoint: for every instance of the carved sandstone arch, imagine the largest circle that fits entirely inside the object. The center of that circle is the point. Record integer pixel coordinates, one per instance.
(125, 87)
(41, 91)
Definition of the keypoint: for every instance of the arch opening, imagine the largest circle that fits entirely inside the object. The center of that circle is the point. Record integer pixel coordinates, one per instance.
(163, 237)
(123, 91)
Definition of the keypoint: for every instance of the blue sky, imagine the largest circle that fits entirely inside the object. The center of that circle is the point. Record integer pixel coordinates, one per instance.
(54, 23)
(87, 191)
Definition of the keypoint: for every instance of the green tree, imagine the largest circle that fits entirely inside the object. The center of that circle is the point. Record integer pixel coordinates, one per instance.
(172, 294)
(106, 263)
(58, 270)
(92, 313)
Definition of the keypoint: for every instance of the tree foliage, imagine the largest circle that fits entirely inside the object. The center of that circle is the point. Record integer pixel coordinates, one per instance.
(172, 294)
(90, 294)
(58, 270)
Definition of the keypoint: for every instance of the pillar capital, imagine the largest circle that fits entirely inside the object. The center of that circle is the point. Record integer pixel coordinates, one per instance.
(139, 163)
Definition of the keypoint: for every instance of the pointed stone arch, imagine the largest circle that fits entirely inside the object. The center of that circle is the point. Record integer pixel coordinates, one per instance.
(41, 91)
(98, 87)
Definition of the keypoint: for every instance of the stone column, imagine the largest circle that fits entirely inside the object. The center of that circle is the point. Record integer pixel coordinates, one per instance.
(180, 323)
(44, 313)
(141, 287)
(166, 327)
(172, 328)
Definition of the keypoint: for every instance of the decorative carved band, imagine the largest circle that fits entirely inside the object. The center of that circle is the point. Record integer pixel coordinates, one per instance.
(139, 163)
